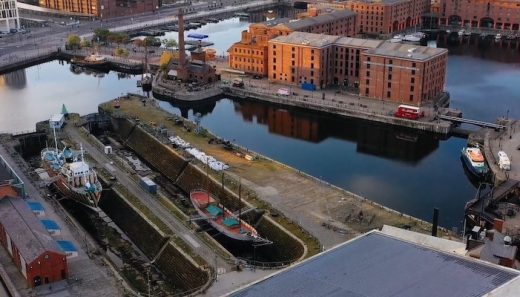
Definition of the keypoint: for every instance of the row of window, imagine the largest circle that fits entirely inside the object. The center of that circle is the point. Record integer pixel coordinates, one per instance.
(248, 60)
(388, 94)
(251, 52)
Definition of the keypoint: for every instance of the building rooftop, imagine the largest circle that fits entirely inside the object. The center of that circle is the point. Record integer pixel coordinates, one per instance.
(406, 51)
(272, 23)
(57, 117)
(376, 264)
(308, 39)
(385, 2)
(9, 177)
(494, 250)
(358, 42)
(318, 20)
(25, 229)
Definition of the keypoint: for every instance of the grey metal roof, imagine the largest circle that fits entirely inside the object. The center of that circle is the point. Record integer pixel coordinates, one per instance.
(274, 22)
(377, 265)
(307, 39)
(319, 20)
(386, 2)
(25, 229)
(407, 51)
(358, 42)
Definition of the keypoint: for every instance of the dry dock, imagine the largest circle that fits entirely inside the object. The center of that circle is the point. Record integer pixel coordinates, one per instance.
(329, 213)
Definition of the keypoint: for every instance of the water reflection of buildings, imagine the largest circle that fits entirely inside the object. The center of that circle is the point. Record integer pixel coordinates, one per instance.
(204, 107)
(281, 11)
(503, 50)
(15, 80)
(374, 139)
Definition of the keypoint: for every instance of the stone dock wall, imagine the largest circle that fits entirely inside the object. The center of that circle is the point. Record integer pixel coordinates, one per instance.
(188, 176)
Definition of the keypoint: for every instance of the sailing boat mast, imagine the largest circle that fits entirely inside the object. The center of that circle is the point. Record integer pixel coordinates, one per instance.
(55, 141)
(239, 202)
(82, 157)
(207, 178)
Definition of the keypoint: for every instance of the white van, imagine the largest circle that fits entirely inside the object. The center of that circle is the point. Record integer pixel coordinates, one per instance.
(283, 92)
(503, 161)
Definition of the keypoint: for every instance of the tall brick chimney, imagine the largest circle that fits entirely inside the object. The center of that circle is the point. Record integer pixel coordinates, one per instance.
(182, 71)
(182, 47)
(498, 225)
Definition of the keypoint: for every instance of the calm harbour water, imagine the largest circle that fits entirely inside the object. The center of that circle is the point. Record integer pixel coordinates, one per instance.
(401, 169)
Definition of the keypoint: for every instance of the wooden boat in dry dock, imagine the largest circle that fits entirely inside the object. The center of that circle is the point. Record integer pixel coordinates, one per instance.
(222, 219)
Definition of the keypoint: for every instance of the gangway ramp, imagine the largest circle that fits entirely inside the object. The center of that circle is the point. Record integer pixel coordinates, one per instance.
(473, 122)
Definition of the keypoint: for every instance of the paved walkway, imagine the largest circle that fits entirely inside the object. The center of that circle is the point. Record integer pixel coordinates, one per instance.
(347, 98)
(509, 142)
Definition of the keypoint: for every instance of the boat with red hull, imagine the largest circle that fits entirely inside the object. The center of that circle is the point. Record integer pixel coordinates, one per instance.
(223, 219)
(73, 177)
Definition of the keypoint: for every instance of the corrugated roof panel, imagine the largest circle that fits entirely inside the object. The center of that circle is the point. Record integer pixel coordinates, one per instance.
(376, 265)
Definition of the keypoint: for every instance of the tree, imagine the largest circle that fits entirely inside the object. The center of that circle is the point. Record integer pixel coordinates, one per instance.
(165, 60)
(111, 38)
(120, 38)
(152, 41)
(85, 43)
(169, 43)
(121, 52)
(101, 35)
(73, 41)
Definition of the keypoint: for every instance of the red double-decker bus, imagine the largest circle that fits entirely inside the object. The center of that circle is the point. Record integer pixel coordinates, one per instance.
(409, 112)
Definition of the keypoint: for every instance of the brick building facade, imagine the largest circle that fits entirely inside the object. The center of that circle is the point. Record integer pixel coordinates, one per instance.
(9, 18)
(103, 9)
(30, 246)
(381, 17)
(383, 70)
(403, 73)
(250, 53)
(316, 59)
(495, 14)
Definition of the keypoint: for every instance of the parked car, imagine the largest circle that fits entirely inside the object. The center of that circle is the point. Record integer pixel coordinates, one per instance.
(503, 161)
(238, 83)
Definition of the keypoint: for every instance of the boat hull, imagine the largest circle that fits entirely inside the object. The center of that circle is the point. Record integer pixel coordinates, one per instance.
(88, 199)
(92, 65)
(221, 228)
(479, 173)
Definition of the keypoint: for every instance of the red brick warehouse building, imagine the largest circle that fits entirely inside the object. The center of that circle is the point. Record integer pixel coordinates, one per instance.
(403, 73)
(250, 53)
(103, 9)
(30, 246)
(381, 17)
(493, 14)
(387, 71)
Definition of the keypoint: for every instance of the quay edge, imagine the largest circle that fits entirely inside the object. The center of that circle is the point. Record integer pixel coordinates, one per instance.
(440, 127)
